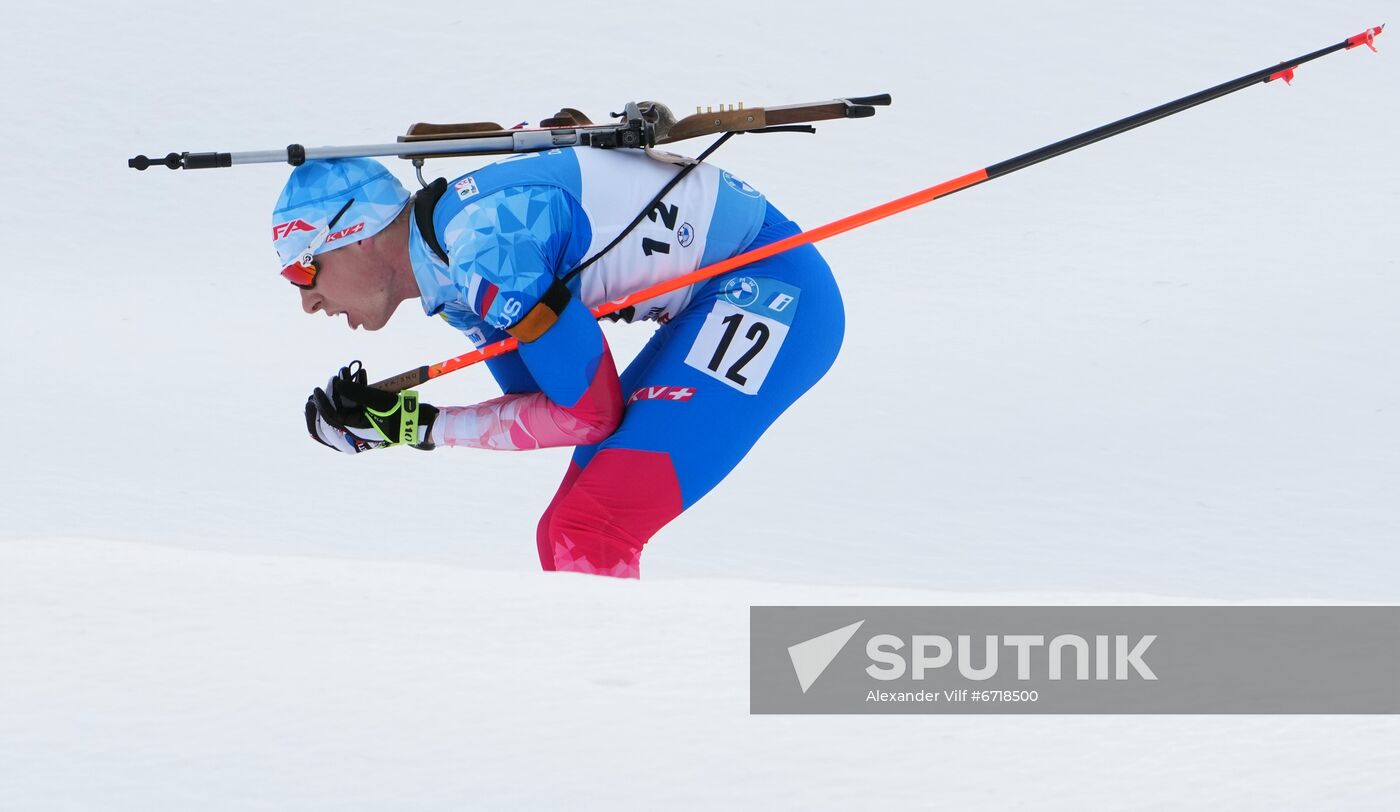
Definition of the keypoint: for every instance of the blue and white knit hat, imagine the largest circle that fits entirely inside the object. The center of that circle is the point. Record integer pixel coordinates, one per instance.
(318, 190)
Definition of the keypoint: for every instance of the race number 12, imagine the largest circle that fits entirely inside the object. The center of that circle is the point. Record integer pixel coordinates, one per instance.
(742, 334)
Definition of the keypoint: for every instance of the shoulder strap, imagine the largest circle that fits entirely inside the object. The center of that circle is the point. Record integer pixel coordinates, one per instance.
(423, 205)
(671, 184)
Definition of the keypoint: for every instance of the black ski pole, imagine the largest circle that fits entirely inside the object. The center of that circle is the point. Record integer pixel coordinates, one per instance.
(1284, 71)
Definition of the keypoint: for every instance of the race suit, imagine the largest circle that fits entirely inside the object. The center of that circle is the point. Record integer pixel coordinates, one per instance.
(491, 251)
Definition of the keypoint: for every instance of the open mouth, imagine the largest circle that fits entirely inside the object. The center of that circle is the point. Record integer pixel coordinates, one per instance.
(350, 322)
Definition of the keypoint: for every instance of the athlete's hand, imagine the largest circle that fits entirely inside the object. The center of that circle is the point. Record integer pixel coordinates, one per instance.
(350, 416)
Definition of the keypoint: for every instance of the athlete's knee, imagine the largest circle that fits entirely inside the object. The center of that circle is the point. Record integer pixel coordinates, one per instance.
(580, 536)
(609, 513)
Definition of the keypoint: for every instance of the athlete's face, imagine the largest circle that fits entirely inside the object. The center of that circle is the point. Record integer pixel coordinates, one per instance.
(354, 282)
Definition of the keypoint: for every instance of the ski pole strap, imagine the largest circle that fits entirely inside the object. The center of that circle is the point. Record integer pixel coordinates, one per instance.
(408, 420)
(407, 408)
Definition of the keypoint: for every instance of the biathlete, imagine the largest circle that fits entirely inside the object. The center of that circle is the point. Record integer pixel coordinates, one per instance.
(491, 253)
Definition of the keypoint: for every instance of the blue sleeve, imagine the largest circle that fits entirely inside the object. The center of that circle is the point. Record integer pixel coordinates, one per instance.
(505, 249)
(566, 358)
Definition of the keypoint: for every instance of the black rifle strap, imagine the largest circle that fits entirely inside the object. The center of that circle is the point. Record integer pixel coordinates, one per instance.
(685, 170)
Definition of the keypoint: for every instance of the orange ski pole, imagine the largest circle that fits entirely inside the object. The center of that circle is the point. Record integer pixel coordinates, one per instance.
(1283, 70)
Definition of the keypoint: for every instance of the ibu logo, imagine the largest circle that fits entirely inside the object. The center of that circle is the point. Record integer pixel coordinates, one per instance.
(778, 302)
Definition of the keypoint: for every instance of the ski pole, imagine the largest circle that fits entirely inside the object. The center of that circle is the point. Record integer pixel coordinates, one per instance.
(1283, 70)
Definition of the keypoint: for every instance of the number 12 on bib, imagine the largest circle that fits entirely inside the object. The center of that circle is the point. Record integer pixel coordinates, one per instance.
(744, 331)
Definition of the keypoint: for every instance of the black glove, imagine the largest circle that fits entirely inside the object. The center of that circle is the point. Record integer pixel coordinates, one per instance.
(350, 416)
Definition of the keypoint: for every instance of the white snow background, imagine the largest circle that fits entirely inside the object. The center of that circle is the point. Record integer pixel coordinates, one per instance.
(1159, 369)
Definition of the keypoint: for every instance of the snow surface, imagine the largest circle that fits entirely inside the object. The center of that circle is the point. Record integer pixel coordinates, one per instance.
(1160, 369)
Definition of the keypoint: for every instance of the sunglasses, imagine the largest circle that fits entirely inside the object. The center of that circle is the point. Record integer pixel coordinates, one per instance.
(302, 272)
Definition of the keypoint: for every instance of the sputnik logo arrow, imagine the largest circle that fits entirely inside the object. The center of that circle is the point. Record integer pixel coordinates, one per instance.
(811, 657)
